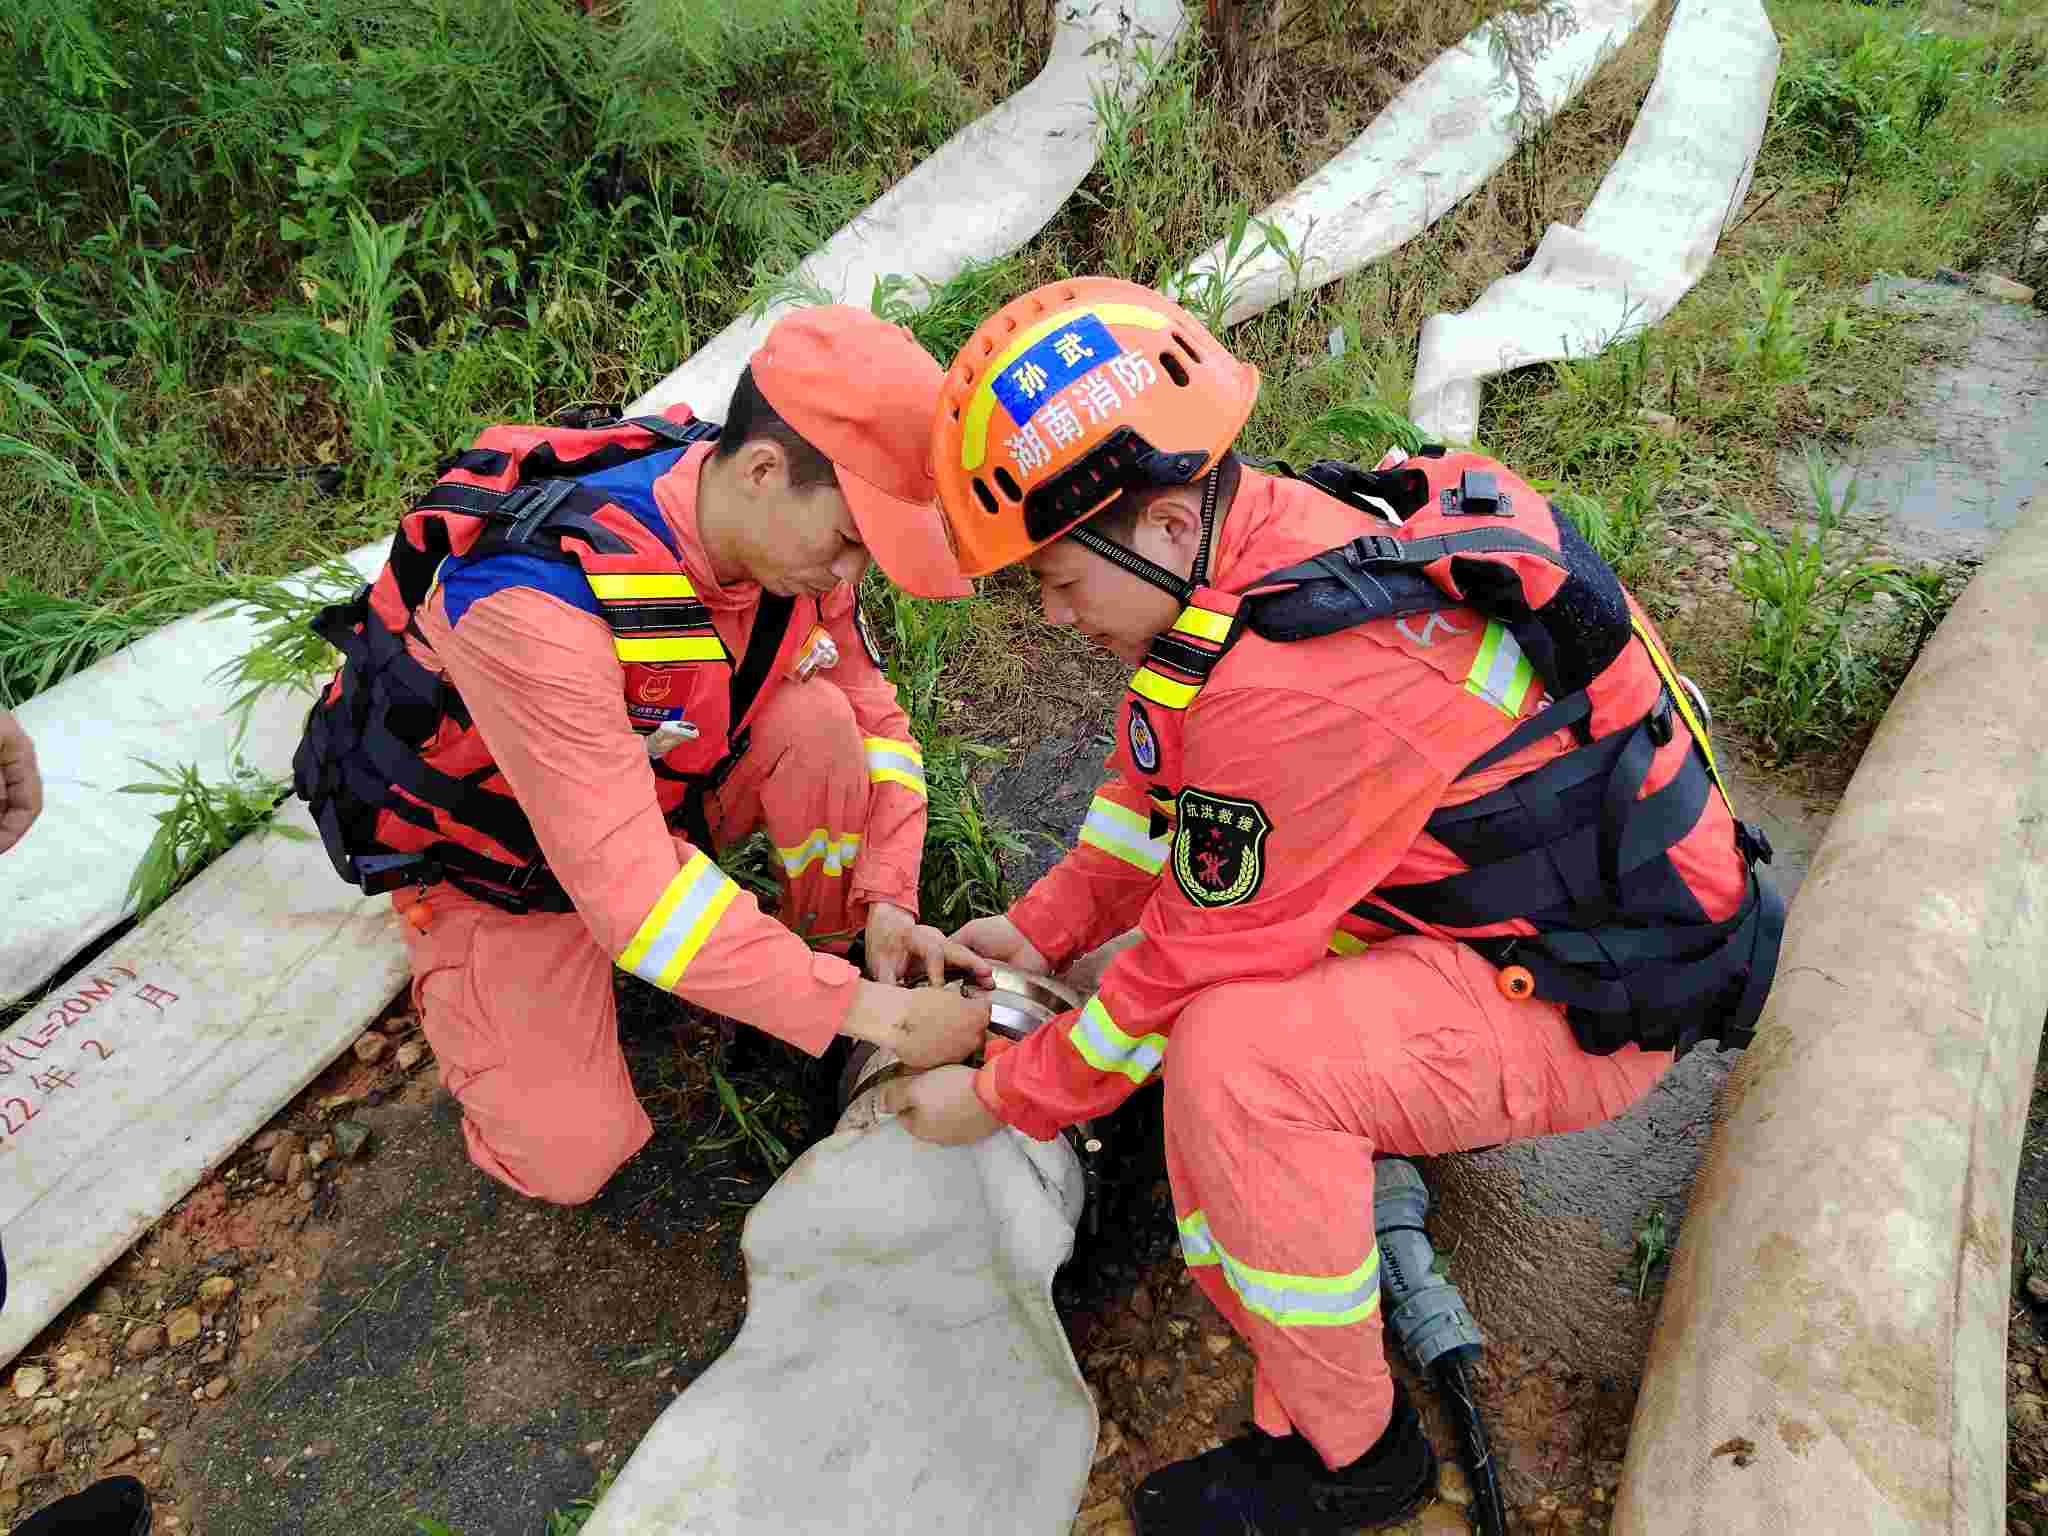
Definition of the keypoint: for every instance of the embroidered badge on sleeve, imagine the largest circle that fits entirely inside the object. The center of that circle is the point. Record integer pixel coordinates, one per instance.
(1219, 851)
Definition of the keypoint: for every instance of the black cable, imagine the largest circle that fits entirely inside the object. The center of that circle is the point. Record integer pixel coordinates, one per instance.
(1489, 1512)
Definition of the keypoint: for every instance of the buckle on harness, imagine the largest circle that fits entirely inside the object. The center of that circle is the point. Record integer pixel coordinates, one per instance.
(377, 873)
(1658, 722)
(1373, 549)
(530, 505)
(1753, 843)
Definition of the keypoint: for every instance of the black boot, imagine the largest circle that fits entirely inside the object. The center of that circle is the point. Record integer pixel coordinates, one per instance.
(1278, 1486)
(113, 1506)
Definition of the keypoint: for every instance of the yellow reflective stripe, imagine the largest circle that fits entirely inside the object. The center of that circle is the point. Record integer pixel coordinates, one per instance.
(1166, 806)
(672, 933)
(895, 762)
(1291, 1301)
(1107, 1048)
(912, 782)
(974, 421)
(909, 749)
(669, 648)
(614, 587)
(838, 853)
(1500, 673)
(1685, 710)
(1200, 621)
(1163, 691)
(1122, 833)
(1342, 943)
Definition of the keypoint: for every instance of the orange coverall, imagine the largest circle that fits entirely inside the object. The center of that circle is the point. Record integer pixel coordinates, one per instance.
(519, 1008)
(1304, 1040)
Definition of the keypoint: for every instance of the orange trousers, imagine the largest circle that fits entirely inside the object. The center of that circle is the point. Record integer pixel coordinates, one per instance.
(519, 1008)
(1278, 1094)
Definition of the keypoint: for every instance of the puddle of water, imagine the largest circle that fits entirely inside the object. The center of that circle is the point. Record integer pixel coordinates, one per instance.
(1947, 478)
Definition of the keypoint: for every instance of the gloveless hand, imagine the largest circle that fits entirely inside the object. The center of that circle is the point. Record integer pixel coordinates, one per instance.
(999, 939)
(925, 1026)
(899, 946)
(940, 1106)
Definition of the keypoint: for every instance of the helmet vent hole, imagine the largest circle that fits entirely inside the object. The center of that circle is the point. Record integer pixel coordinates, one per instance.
(1008, 482)
(1175, 369)
(1182, 341)
(985, 497)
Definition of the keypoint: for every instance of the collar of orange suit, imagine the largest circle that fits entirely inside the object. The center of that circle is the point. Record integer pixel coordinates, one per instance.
(1240, 527)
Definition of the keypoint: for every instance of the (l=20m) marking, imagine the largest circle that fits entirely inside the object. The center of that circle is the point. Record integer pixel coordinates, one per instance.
(31, 1045)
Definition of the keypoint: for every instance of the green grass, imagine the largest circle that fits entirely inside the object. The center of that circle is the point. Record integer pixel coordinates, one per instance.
(1811, 671)
(313, 233)
(1651, 1251)
(202, 821)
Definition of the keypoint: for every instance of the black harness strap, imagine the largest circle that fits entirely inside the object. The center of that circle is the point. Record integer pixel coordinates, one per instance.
(771, 624)
(764, 643)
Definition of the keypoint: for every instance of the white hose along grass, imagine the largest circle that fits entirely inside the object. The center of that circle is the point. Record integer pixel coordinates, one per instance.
(65, 884)
(1448, 130)
(1648, 235)
(130, 1081)
(987, 190)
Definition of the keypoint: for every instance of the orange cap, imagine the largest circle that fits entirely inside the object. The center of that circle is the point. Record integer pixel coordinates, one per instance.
(1067, 397)
(863, 393)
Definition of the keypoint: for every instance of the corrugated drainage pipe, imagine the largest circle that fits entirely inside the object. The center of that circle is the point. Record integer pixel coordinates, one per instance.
(1831, 1355)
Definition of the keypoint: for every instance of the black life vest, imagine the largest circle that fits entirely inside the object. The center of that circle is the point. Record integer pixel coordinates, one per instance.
(401, 784)
(1569, 847)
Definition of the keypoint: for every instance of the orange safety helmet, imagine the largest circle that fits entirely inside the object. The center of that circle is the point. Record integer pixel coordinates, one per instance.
(1066, 398)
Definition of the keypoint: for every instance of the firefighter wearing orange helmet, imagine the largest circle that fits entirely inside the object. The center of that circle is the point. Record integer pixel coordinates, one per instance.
(1422, 836)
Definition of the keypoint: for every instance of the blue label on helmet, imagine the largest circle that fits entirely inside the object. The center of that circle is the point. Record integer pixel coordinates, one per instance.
(1050, 364)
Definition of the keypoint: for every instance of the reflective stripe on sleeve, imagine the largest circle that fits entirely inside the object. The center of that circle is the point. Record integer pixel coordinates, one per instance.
(1108, 1049)
(679, 924)
(1342, 943)
(1163, 691)
(838, 853)
(895, 762)
(668, 648)
(1291, 1301)
(1500, 673)
(1123, 833)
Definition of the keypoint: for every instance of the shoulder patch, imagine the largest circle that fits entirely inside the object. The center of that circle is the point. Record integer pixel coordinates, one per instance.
(1144, 745)
(866, 631)
(1219, 848)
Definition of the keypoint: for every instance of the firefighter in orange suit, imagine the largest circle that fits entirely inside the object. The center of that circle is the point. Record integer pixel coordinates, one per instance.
(595, 658)
(1420, 832)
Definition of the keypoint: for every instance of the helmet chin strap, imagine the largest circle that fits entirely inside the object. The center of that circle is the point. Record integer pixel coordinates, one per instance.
(1180, 588)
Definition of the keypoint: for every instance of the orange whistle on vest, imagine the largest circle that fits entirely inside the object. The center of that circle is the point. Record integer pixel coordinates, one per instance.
(1516, 984)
